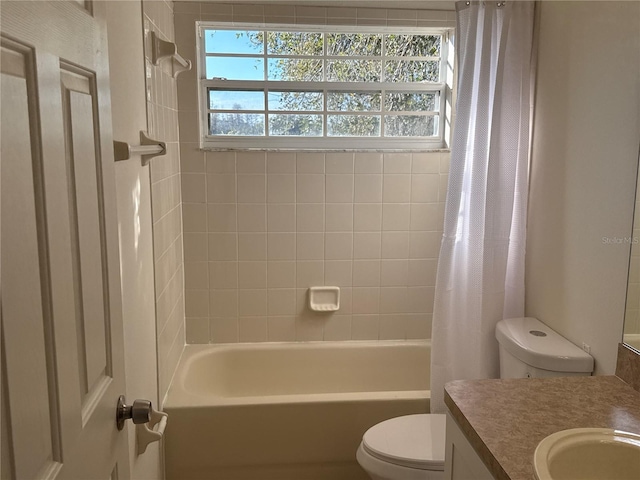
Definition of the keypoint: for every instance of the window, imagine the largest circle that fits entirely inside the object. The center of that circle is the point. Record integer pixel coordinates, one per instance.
(321, 88)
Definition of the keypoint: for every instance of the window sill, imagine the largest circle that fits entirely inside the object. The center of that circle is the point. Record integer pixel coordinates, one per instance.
(330, 150)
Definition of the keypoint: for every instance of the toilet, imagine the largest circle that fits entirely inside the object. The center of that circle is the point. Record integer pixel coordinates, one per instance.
(412, 447)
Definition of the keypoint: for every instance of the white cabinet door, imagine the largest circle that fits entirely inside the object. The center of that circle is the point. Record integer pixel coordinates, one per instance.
(62, 345)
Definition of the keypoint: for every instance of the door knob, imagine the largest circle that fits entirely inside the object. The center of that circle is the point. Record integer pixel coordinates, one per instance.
(139, 412)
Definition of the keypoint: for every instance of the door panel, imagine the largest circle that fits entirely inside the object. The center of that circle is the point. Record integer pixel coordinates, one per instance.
(25, 309)
(87, 238)
(63, 357)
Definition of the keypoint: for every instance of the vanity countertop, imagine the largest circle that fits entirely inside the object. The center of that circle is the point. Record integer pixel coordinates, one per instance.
(505, 420)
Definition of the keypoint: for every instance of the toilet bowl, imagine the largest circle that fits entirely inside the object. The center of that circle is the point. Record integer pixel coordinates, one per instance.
(412, 447)
(404, 448)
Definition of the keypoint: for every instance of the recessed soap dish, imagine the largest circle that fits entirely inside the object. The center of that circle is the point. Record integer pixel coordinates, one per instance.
(324, 299)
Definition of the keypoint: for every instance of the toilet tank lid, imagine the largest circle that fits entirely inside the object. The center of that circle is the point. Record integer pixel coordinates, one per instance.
(532, 342)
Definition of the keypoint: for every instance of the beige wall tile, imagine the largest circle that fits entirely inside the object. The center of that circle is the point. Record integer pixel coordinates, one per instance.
(368, 188)
(281, 329)
(310, 217)
(309, 273)
(310, 162)
(310, 327)
(338, 273)
(281, 301)
(252, 188)
(339, 217)
(252, 246)
(221, 188)
(366, 245)
(396, 216)
(281, 162)
(252, 217)
(367, 217)
(365, 300)
(196, 275)
(281, 188)
(252, 303)
(366, 273)
(310, 188)
(338, 246)
(365, 327)
(395, 245)
(252, 274)
(223, 303)
(397, 163)
(396, 188)
(310, 246)
(339, 188)
(339, 162)
(394, 273)
(223, 246)
(223, 329)
(368, 162)
(252, 329)
(194, 188)
(392, 327)
(425, 188)
(281, 274)
(281, 218)
(337, 327)
(197, 330)
(222, 217)
(281, 246)
(223, 275)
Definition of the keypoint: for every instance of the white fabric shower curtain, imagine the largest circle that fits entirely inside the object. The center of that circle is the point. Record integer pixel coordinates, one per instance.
(480, 276)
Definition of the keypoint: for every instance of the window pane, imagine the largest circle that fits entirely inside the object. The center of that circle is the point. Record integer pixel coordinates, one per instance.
(412, 45)
(354, 44)
(412, 71)
(240, 124)
(236, 100)
(295, 70)
(411, 102)
(411, 125)
(234, 68)
(353, 101)
(233, 41)
(294, 43)
(353, 70)
(295, 101)
(353, 126)
(295, 125)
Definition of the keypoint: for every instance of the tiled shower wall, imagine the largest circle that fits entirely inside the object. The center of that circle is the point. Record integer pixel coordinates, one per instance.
(262, 227)
(162, 118)
(632, 314)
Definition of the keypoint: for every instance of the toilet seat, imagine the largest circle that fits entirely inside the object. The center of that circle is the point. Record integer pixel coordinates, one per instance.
(413, 441)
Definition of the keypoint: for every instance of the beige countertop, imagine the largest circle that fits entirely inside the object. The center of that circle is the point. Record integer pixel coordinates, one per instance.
(506, 419)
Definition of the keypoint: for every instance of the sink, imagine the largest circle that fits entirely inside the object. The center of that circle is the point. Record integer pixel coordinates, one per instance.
(588, 454)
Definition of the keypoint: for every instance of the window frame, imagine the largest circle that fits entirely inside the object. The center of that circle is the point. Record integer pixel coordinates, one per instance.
(325, 142)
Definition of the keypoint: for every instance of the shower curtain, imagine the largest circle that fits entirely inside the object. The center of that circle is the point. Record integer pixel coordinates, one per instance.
(480, 276)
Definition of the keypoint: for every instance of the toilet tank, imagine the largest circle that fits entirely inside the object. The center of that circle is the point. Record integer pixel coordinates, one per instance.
(530, 349)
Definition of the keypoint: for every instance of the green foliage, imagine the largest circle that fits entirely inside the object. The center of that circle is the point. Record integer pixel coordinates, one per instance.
(410, 67)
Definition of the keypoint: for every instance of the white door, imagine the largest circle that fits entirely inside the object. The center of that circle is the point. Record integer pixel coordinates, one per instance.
(62, 345)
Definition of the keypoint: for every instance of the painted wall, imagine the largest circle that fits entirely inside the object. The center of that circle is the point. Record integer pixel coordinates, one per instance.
(262, 227)
(585, 157)
(124, 25)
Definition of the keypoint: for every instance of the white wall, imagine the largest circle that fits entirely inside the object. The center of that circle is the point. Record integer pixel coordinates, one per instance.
(585, 157)
(126, 61)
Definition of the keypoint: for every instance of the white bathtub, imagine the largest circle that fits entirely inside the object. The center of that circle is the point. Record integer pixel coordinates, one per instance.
(632, 339)
(287, 411)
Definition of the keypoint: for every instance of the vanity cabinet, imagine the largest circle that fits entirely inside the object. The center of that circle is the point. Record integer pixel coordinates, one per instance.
(461, 460)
